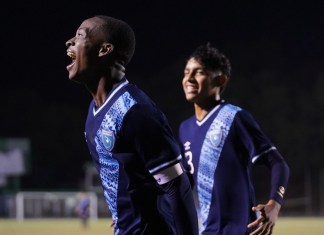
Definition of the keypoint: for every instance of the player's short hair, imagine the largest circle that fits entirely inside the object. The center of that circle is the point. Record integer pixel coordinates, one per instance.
(212, 59)
(121, 35)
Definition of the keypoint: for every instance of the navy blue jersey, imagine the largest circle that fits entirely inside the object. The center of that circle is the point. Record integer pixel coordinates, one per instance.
(130, 140)
(219, 151)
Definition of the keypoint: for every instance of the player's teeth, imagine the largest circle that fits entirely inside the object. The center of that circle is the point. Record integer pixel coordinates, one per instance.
(70, 54)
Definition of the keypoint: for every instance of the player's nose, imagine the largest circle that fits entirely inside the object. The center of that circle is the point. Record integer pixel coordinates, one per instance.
(70, 42)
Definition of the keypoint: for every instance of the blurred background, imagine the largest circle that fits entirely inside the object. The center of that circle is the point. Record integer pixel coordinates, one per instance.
(276, 50)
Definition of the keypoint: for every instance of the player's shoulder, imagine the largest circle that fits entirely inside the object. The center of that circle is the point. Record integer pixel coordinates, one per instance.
(140, 95)
(144, 107)
(230, 107)
(239, 109)
(187, 122)
(243, 116)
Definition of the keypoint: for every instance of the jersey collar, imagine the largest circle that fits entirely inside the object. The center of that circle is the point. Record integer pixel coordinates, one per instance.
(123, 83)
(211, 112)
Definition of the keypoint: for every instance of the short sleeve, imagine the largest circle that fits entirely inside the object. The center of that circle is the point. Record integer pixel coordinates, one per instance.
(147, 130)
(253, 139)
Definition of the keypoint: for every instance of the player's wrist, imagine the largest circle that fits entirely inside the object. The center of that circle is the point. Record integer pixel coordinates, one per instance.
(275, 199)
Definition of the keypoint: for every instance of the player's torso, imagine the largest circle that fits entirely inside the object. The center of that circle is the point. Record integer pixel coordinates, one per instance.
(212, 154)
(206, 140)
(129, 188)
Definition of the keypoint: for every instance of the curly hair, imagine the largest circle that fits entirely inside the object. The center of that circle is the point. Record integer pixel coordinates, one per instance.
(121, 35)
(212, 59)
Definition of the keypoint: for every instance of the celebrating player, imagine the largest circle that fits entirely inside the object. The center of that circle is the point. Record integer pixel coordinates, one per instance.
(221, 143)
(132, 146)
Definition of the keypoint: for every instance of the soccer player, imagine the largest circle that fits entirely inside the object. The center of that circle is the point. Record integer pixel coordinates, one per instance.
(129, 138)
(221, 142)
(83, 209)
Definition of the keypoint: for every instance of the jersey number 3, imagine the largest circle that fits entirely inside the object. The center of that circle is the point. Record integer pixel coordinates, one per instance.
(188, 156)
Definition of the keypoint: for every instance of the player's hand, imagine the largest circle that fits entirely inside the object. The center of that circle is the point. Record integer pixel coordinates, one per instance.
(267, 219)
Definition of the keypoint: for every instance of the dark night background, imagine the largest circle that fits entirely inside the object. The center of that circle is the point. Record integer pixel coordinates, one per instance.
(275, 47)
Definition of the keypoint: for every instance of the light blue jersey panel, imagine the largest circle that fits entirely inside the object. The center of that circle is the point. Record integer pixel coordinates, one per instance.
(105, 140)
(210, 153)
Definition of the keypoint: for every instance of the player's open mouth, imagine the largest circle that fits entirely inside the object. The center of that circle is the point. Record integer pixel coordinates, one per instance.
(191, 89)
(72, 56)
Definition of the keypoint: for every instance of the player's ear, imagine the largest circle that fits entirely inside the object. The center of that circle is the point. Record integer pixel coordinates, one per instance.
(220, 80)
(106, 48)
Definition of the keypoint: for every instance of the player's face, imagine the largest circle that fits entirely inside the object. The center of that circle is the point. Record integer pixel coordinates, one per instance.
(83, 49)
(198, 82)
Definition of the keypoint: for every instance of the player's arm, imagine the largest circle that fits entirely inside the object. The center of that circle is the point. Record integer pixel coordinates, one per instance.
(279, 180)
(154, 142)
(255, 142)
(178, 194)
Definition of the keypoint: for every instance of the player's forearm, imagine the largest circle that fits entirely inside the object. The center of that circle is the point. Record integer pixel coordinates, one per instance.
(279, 177)
(180, 198)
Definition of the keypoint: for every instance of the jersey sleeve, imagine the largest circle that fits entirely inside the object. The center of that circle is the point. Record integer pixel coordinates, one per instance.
(182, 211)
(148, 132)
(279, 174)
(253, 139)
(262, 151)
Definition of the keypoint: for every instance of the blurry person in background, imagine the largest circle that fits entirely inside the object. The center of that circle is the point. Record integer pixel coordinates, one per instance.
(83, 209)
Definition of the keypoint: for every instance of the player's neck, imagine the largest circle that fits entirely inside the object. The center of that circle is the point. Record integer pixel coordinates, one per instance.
(106, 82)
(202, 109)
(102, 90)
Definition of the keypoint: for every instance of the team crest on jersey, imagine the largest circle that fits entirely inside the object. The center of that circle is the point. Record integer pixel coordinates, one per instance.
(215, 136)
(108, 139)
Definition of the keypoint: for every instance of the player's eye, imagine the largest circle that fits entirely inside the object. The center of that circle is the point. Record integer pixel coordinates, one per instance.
(80, 34)
(200, 72)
